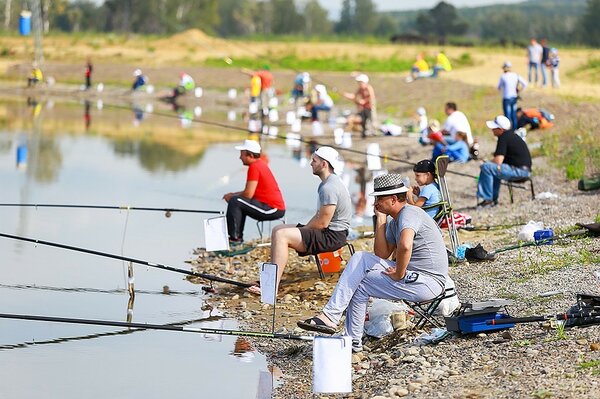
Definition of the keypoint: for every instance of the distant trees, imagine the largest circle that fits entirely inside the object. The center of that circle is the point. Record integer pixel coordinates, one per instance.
(441, 21)
(589, 28)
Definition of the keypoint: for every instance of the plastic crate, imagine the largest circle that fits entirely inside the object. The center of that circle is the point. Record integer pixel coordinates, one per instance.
(470, 324)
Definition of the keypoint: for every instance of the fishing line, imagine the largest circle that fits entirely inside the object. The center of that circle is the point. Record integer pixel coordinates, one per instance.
(163, 327)
(209, 277)
(93, 290)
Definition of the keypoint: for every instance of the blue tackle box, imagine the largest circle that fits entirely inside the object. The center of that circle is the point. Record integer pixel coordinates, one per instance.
(472, 317)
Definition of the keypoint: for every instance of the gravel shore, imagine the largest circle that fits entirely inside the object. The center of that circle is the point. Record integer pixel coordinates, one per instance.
(528, 361)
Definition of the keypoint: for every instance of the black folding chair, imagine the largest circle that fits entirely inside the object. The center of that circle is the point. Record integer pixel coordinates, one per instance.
(425, 311)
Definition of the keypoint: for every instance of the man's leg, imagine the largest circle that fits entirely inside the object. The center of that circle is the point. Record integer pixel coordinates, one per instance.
(283, 237)
(531, 65)
(507, 173)
(485, 187)
(543, 68)
(513, 112)
(235, 219)
(506, 107)
(239, 207)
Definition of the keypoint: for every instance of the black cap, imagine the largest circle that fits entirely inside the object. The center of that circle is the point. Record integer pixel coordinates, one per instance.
(424, 166)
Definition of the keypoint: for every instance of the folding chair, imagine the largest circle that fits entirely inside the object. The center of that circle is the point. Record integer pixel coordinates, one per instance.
(445, 213)
(318, 262)
(425, 311)
(510, 183)
(260, 225)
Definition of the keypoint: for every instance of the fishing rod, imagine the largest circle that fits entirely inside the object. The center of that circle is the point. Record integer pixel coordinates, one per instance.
(162, 327)
(561, 316)
(540, 242)
(491, 227)
(94, 290)
(302, 140)
(99, 335)
(167, 211)
(209, 277)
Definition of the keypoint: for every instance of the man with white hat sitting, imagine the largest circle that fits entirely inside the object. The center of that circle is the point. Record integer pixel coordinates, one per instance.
(261, 198)
(418, 273)
(512, 161)
(327, 230)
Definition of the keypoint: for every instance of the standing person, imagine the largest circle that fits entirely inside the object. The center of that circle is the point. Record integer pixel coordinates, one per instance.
(327, 230)
(554, 62)
(266, 81)
(321, 102)
(261, 198)
(456, 122)
(534, 55)
(418, 273)
(511, 161)
(88, 73)
(545, 61)
(510, 84)
(364, 98)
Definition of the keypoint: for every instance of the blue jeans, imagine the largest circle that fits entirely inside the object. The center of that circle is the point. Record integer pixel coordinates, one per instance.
(509, 106)
(314, 111)
(534, 66)
(490, 177)
(544, 76)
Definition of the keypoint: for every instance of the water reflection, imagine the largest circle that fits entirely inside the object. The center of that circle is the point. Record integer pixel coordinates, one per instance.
(156, 157)
(243, 350)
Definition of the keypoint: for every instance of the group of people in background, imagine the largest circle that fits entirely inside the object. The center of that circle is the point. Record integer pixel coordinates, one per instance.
(541, 59)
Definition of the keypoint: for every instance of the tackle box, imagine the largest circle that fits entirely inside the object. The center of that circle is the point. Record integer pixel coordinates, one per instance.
(471, 317)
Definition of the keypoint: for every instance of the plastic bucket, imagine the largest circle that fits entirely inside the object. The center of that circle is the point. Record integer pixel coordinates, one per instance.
(25, 23)
(331, 262)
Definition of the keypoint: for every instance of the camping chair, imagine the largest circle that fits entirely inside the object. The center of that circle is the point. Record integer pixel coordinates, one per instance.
(425, 311)
(445, 213)
(260, 225)
(510, 183)
(318, 262)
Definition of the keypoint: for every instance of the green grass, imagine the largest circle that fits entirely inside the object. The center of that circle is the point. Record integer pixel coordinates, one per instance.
(340, 64)
(593, 365)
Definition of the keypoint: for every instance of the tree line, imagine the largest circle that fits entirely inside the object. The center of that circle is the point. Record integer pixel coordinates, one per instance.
(564, 21)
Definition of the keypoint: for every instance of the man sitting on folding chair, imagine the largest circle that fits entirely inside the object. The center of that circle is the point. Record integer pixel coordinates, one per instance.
(418, 274)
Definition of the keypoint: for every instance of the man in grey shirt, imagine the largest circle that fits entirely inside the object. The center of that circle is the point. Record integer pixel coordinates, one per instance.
(327, 229)
(418, 273)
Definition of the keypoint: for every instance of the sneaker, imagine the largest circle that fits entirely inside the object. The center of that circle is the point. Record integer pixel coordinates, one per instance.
(357, 346)
(479, 254)
(486, 204)
(235, 242)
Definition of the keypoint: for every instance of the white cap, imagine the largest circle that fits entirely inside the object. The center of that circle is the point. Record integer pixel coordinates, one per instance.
(305, 77)
(362, 78)
(320, 89)
(421, 111)
(499, 122)
(137, 72)
(330, 155)
(507, 64)
(249, 145)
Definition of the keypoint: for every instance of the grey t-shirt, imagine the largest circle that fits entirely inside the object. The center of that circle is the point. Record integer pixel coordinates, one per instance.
(333, 192)
(429, 252)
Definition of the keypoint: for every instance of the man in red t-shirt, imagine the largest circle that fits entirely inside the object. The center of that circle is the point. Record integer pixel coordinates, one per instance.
(261, 198)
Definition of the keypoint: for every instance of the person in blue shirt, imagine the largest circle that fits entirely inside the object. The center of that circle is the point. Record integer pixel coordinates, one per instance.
(426, 192)
(457, 151)
(140, 79)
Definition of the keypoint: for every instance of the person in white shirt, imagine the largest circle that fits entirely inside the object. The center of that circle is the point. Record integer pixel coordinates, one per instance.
(321, 101)
(456, 122)
(510, 84)
(534, 54)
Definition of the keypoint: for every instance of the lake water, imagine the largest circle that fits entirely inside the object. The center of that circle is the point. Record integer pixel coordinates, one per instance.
(71, 163)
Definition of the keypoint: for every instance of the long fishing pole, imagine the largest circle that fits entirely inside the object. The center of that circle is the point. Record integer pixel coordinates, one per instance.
(532, 319)
(209, 277)
(163, 327)
(168, 211)
(540, 242)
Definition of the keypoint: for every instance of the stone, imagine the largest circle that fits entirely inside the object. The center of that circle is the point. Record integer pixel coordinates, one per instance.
(413, 386)
(481, 335)
(532, 352)
(287, 298)
(235, 297)
(401, 392)
(422, 380)
(595, 346)
(500, 372)
(507, 335)
(243, 305)
(408, 359)
(582, 341)
(412, 351)
(355, 359)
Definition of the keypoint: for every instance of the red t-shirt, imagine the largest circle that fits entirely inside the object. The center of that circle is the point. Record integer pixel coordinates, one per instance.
(267, 190)
(266, 78)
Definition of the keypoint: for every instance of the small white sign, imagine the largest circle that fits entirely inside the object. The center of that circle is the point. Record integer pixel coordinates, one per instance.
(216, 237)
(332, 364)
(268, 283)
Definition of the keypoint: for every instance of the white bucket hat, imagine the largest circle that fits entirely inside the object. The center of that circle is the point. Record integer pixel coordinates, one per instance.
(388, 184)
(249, 145)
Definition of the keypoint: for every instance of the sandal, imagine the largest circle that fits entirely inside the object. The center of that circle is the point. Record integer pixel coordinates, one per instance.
(317, 325)
(254, 289)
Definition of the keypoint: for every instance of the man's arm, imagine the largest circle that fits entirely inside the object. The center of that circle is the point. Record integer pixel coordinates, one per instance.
(403, 254)
(322, 217)
(381, 247)
(248, 192)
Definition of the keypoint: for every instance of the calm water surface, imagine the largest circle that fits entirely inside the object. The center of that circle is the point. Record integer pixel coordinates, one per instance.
(69, 163)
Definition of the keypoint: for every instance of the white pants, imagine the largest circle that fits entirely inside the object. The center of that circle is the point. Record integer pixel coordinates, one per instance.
(555, 78)
(363, 278)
